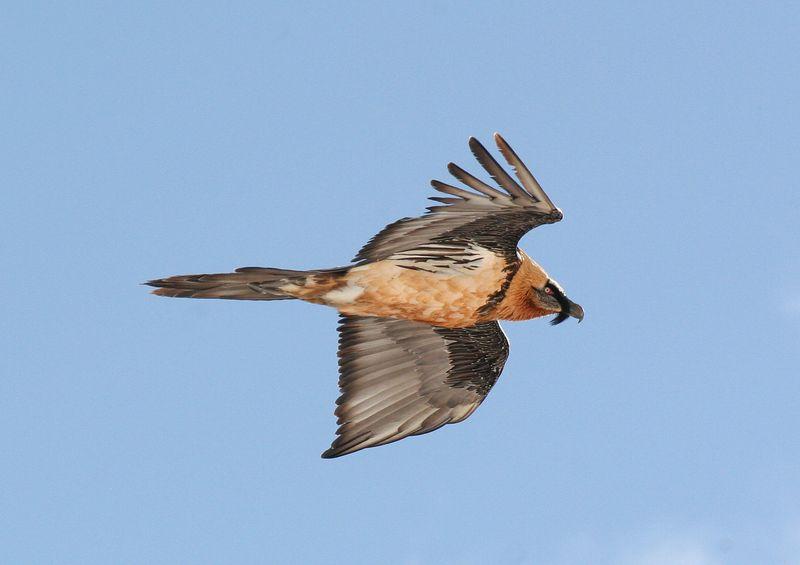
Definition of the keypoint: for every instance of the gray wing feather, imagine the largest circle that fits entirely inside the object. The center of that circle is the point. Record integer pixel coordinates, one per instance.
(525, 176)
(400, 378)
(493, 168)
(493, 218)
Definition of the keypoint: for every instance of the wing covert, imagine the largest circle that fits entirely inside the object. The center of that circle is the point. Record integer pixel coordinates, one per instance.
(400, 378)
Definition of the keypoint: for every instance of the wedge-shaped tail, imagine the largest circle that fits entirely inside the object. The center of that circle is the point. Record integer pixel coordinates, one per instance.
(248, 283)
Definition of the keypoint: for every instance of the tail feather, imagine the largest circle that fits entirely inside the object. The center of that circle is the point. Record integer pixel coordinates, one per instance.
(247, 283)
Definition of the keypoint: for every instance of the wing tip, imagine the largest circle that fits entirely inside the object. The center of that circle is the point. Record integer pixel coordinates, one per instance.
(501, 142)
(454, 169)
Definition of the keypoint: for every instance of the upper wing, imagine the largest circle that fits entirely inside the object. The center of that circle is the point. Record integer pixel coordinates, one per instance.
(492, 218)
(400, 378)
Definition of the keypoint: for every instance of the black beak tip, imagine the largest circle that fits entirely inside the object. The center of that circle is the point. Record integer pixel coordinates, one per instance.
(569, 309)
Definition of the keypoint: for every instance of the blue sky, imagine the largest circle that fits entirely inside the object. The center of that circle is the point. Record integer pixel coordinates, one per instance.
(145, 140)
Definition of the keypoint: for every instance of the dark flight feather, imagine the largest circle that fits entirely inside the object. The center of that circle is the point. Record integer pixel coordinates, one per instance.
(495, 170)
(494, 218)
(522, 172)
(400, 378)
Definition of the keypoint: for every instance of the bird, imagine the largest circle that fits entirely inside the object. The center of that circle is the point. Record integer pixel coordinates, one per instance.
(420, 345)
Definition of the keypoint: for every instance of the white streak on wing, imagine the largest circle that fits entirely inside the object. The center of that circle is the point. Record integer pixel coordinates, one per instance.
(437, 259)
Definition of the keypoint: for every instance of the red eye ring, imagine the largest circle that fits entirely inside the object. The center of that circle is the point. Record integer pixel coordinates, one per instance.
(548, 290)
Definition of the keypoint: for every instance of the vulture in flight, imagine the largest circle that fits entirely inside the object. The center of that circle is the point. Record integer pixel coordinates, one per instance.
(419, 341)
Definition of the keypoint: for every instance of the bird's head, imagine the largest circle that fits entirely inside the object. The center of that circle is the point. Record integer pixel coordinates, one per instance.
(550, 297)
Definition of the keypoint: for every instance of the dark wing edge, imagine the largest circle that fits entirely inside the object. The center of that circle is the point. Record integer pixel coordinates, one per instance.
(400, 378)
(526, 205)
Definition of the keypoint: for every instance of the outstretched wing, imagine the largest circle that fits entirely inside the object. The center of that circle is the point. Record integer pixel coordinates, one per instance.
(400, 378)
(493, 218)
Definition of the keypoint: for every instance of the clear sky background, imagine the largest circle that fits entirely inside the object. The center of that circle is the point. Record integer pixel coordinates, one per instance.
(145, 140)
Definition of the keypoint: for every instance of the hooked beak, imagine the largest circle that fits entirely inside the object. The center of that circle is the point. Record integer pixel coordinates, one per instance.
(576, 311)
(568, 308)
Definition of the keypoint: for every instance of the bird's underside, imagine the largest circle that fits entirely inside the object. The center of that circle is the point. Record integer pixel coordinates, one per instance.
(419, 344)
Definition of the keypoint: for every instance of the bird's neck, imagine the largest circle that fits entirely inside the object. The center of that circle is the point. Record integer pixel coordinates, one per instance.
(518, 303)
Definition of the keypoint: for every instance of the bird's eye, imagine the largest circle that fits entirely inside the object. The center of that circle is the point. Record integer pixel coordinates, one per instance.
(548, 290)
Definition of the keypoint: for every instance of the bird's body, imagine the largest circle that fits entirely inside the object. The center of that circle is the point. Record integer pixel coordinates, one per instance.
(398, 288)
(420, 345)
